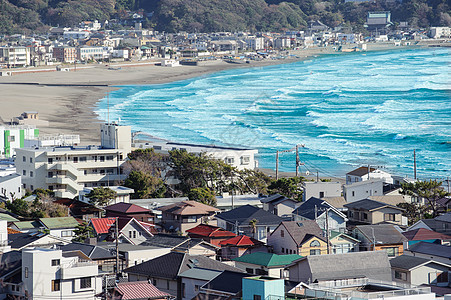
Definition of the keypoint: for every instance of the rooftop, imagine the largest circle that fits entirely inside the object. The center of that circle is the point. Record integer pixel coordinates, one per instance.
(268, 259)
(382, 233)
(139, 290)
(244, 214)
(241, 240)
(205, 230)
(424, 234)
(368, 204)
(431, 249)
(188, 207)
(126, 208)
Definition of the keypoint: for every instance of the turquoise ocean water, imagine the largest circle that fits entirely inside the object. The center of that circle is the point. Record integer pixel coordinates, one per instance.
(348, 110)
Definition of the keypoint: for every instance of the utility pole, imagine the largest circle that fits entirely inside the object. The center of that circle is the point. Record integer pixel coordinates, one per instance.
(297, 160)
(327, 231)
(117, 246)
(369, 170)
(447, 180)
(414, 165)
(317, 176)
(277, 165)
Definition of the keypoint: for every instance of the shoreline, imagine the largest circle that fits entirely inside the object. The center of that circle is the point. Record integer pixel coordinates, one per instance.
(68, 99)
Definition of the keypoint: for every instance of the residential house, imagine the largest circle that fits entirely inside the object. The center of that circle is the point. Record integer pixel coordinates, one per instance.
(48, 274)
(27, 226)
(101, 256)
(67, 170)
(227, 285)
(127, 210)
(301, 238)
(122, 194)
(441, 224)
(263, 263)
(10, 186)
(211, 234)
(136, 254)
(181, 216)
(372, 265)
(380, 237)
(363, 190)
(320, 189)
(79, 209)
(239, 246)
(342, 243)
(182, 244)
(367, 173)
(425, 235)
(417, 271)
(436, 252)
(164, 271)
(193, 279)
(320, 211)
(19, 241)
(138, 290)
(15, 57)
(131, 231)
(374, 212)
(240, 220)
(62, 227)
(101, 227)
(263, 287)
(279, 205)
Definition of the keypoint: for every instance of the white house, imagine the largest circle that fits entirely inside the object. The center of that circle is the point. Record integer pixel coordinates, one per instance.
(48, 274)
(362, 190)
(10, 185)
(123, 194)
(320, 189)
(367, 173)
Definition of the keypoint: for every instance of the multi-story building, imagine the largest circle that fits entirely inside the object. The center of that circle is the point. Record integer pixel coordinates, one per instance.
(67, 170)
(50, 274)
(15, 56)
(90, 53)
(65, 54)
(13, 137)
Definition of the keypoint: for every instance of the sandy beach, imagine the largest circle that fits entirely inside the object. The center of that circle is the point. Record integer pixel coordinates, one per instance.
(67, 99)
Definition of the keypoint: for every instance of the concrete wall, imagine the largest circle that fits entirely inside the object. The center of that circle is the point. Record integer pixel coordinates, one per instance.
(266, 288)
(321, 189)
(134, 257)
(11, 184)
(359, 191)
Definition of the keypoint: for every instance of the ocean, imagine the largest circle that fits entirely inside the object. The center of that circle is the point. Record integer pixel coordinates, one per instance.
(370, 108)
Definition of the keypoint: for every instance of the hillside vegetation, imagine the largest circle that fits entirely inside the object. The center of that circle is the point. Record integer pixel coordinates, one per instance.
(23, 16)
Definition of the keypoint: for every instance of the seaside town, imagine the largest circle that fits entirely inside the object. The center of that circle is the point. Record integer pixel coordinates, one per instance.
(95, 210)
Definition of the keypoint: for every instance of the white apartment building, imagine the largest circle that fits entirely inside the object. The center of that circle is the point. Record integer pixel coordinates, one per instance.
(439, 32)
(91, 53)
(14, 136)
(237, 157)
(15, 56)
(54, 274)
(363, 190)
(67, 170)
(255, 43)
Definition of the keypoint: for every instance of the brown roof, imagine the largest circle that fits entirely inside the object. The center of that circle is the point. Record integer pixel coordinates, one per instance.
(189, 207)
(336, 202)
(301, 231)
(13, 231)
(360, 171)
(389, 199)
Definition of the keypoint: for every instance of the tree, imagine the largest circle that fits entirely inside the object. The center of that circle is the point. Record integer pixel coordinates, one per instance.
(145, 185)
(18, 207)
(288, 187)
(203, 195)
(82, 232)
(414, 211)
(101, 196)
(253, 223)
(430, 191)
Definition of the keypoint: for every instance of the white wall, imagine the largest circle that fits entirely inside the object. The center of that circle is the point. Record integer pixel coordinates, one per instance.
(362, 190)
(316, 189)
(11, 184)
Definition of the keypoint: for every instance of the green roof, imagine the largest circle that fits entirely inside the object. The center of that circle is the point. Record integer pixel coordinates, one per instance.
(24, 225)
(7, 217)
(61, 222)
(268, 259)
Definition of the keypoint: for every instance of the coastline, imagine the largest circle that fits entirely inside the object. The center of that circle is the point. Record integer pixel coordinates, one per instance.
(68, 99)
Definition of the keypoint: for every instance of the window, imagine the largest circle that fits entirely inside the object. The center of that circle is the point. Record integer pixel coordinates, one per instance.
(55, 262)
(134, 234)
(102, 158)
(31, 173)
(229, 160)
(282, 233)
(196, 288)
(315, 252)
(66, 233)
(365, 216)
(50, 174)
(31, 187)
(130, 234)
(353, 194)
(110, 157)
(245, 160)
(50, 160)
(321, 194)
(315, 244)
(167, 284)
(400, 275)
(442, 277)
(283, 250)
(12, 138)
(257, 297)
(191, 219)
(55, 285)
(85, 283)
(24, 159)
(31, 160)
(26, 272)
(389, 217)
(392, 251)
(75, 159)
(249, 271)
(24, 173)
(83, 159)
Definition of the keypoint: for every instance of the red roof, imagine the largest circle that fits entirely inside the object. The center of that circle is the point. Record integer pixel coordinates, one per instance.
(139, 290)
(424, 234)
(210, 231)
(102, 225)
(127, 208)
(240, 240)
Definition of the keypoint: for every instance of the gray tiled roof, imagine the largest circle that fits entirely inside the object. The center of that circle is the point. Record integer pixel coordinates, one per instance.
(244, 214)
(368, 204)
(300, 230)
(444, 218)
(370, 264)
(407, 262)
(431, 249)
(383, 233)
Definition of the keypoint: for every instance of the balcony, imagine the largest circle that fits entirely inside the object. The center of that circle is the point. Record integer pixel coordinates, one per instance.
(78, 270)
